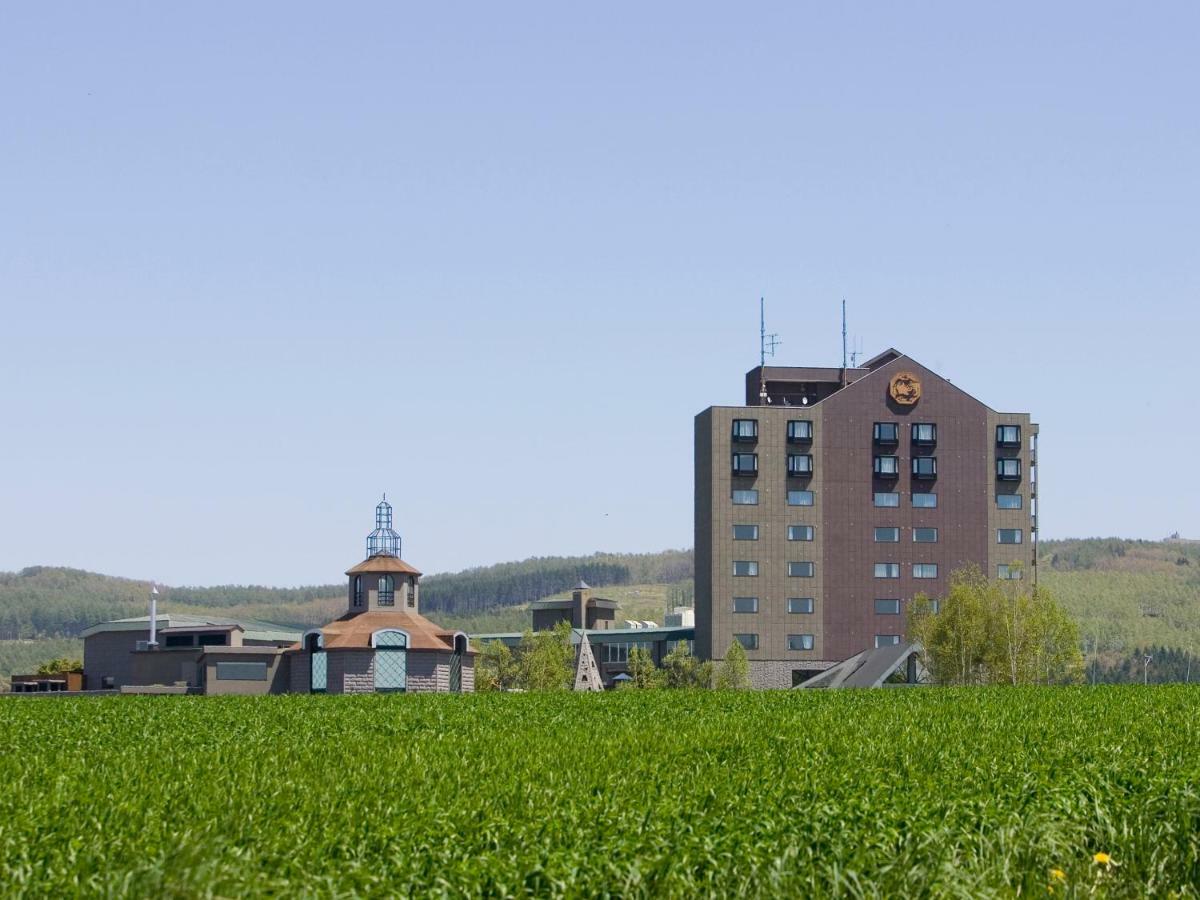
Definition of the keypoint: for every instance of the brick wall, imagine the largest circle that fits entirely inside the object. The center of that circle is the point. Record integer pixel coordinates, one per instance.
(110, 654)
(299, 672)
(428, 670)
(351, 671)
(468, 675)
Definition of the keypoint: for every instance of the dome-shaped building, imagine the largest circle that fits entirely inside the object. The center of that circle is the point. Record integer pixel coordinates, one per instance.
(382, 643)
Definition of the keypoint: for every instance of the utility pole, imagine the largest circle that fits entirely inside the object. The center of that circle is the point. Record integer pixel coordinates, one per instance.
(1146, 668)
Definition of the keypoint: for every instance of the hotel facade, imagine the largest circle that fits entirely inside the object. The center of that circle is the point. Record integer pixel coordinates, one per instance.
(834, 496)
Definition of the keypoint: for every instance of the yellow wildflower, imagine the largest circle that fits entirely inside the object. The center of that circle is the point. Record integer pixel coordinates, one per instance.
(1102, 859)
(1058, 874)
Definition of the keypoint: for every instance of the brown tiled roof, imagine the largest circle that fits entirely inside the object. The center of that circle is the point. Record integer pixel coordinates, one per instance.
(355, 630)
(383, 564)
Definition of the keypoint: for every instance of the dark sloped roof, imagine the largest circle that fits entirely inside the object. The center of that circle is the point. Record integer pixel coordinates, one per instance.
(868, 669)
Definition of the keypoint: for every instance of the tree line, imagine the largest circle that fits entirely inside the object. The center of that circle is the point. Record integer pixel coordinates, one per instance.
(510, 584)
(1166, 665)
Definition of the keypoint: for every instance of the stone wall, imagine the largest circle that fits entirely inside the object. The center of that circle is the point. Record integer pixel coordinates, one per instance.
(777, 673)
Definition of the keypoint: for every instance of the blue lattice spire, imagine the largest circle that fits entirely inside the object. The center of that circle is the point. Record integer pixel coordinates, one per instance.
(383, 541)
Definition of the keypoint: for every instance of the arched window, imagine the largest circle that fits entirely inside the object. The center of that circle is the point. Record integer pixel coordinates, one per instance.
(391, 659)
(412, 591)
(456, 663)
(314, 643)
(387, 590)
(358, 598)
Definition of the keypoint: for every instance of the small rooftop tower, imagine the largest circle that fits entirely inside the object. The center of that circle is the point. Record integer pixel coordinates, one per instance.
(383, 541)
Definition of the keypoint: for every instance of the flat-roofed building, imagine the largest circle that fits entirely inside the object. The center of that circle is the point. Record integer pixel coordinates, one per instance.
(834, 496)
(117, 654)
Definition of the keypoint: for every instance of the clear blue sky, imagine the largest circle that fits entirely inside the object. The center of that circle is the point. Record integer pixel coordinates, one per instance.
(260, 262)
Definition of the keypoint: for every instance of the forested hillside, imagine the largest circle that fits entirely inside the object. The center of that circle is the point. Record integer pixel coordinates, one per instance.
(44, 601)
(1127, 594)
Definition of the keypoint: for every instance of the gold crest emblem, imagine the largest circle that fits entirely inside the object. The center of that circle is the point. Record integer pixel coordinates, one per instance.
(905, 388)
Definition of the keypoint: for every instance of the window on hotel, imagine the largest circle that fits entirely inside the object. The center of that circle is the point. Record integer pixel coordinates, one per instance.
(800, 464)
(1008, 573)
(1008, 535)
(887, 433)
(178, 640)
(745, 532)
(799, 431)
(212, 640)
(887, 499)
(924, 433)
(800, 532)
(925, 535)
(745, 464)
(800, 605)
(358, 592)
(925, 570)
(924, 467)
(800, 498)
(748, 641)
(745, 429)
(887, 535)
(887, 466)
(745, 604)
(886, 640)
(924, 501)
(745, 498)
(1008, 469)
(743, 567)
(800, 641)
(1008, 435)
(887, 570)
(887, 607)
(801, 569)
(1008, 501)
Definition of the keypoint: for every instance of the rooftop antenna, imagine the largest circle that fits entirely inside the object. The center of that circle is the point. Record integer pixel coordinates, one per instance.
(766, 344)
(843, 332)
(855, 344)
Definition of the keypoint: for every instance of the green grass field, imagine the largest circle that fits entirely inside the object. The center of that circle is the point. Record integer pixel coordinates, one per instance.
(909, 793)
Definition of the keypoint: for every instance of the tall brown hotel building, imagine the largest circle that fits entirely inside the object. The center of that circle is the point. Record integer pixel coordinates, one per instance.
(837, 494)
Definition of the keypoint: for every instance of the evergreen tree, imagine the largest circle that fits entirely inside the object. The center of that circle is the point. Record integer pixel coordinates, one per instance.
(682, 670)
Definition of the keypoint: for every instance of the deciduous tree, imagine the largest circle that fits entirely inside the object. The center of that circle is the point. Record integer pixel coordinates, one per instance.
(734, 672)
(988, 632)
